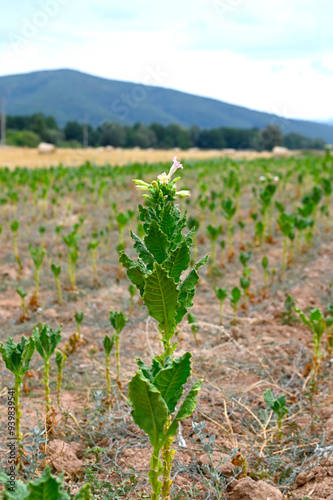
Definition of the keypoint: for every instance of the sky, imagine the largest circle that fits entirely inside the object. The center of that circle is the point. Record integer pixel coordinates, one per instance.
(274, 56)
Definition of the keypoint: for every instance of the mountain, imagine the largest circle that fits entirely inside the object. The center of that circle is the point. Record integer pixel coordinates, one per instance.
(72, 95)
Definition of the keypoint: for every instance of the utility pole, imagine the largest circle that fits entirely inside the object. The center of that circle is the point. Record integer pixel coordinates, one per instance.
(3, 122)
(85, 132)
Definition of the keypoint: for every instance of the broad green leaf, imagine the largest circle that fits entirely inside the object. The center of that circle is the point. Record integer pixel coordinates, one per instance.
(108, 344)
(17, 356)
(142, 251)
(169, 218)
(160, 296)
(269, 398)
(47, 487)
(221, 293)
(187, 290)
(185, 411)
(135, 271)
(156, 242)
(20, 492)
(178, 261)
(117, 320)
(84, 493)
(46, 340)
(170, 381)
(149, 409)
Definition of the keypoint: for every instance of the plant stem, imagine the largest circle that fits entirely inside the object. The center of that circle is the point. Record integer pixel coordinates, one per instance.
(108, 380)
(18, 414)
(221, 312)
(167, 454)
(46, 385)
(118, 360)
(284, 256)
(36, 282)
(230, 239)
(154, 473)
(58, 290)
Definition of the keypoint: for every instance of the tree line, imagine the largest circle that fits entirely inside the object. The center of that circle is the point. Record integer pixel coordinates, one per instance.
(32, 129)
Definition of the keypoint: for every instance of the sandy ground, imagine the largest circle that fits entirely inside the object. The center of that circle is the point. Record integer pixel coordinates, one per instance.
(27, 157)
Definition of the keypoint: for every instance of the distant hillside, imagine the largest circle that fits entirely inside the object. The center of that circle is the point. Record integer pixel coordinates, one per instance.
(71, 95)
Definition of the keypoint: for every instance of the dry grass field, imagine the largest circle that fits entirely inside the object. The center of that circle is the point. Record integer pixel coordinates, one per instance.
(27, 157)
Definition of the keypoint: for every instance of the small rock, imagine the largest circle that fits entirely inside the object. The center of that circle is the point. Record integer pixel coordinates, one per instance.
(65, 456)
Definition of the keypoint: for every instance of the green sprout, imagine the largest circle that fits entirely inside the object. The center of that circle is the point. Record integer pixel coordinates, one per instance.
(278, 406)
(93, 245)
(317, 325)
(221, 294)
(46, 340)
(229, 209)
(108, 345)
(132, 292)
(118, 321)
(37, 254)
(17, 360)
(288, 316)
(56, 270)
(245, 283)
(23, 295)
(14, 226)
(79, 318)
(60, 362)
(264, 264)
(234, 299)
(213, 233)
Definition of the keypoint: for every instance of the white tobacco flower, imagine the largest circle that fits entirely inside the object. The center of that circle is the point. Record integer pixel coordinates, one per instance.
(262, 178)
(183, 193)
(163, 178)
(174, 167)
(276, 179)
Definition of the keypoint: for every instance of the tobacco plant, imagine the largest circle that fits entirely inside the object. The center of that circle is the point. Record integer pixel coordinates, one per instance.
(23, 295)
(278, 405)
(37, 254)
(93, 245)
(14, 226)
(164, 254)
(132, 292)
(60, 362)
(56, 270)
(46, 340)
(108, 345)
(234, 299)
(229, 209)
(221, 294)
(78, 319)
(317, 325)
(118, 321)
(17, 359)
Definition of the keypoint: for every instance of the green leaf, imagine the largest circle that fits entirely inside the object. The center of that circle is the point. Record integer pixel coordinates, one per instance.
(46, 340)
(47, 487)
(187, 290)
(160, 296)
(117, 320)
(135, 271)
(269, 398)
(84, 493)
(221, 293)
(156, 242)
(108, 344)
(235, 295)
(178, 261)
(170, 381)
(60, 359)
(185, 411)
(17, 356)
(142, 251)
(150, 412)
(20, 492)
(55, 269)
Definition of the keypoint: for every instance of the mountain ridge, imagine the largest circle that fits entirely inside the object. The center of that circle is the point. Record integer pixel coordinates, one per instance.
(73, 95)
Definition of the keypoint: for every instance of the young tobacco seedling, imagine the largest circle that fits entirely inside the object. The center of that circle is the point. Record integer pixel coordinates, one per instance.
(72, 242)
(221, 294)
(118, 321)
(23, 295)
(46, 340)
(278, 405)
(93, 245)
(229, 209)
(108, 345)
(60, 362)
(234, 299)
(245, 283)
(56, 270)
(264, 264)
(288, 316)
(164, 254)
(37, 254)
(79, 318)
(213, 233)
(317, 325)
(17, 359)
(192, 320)
(14, 226)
